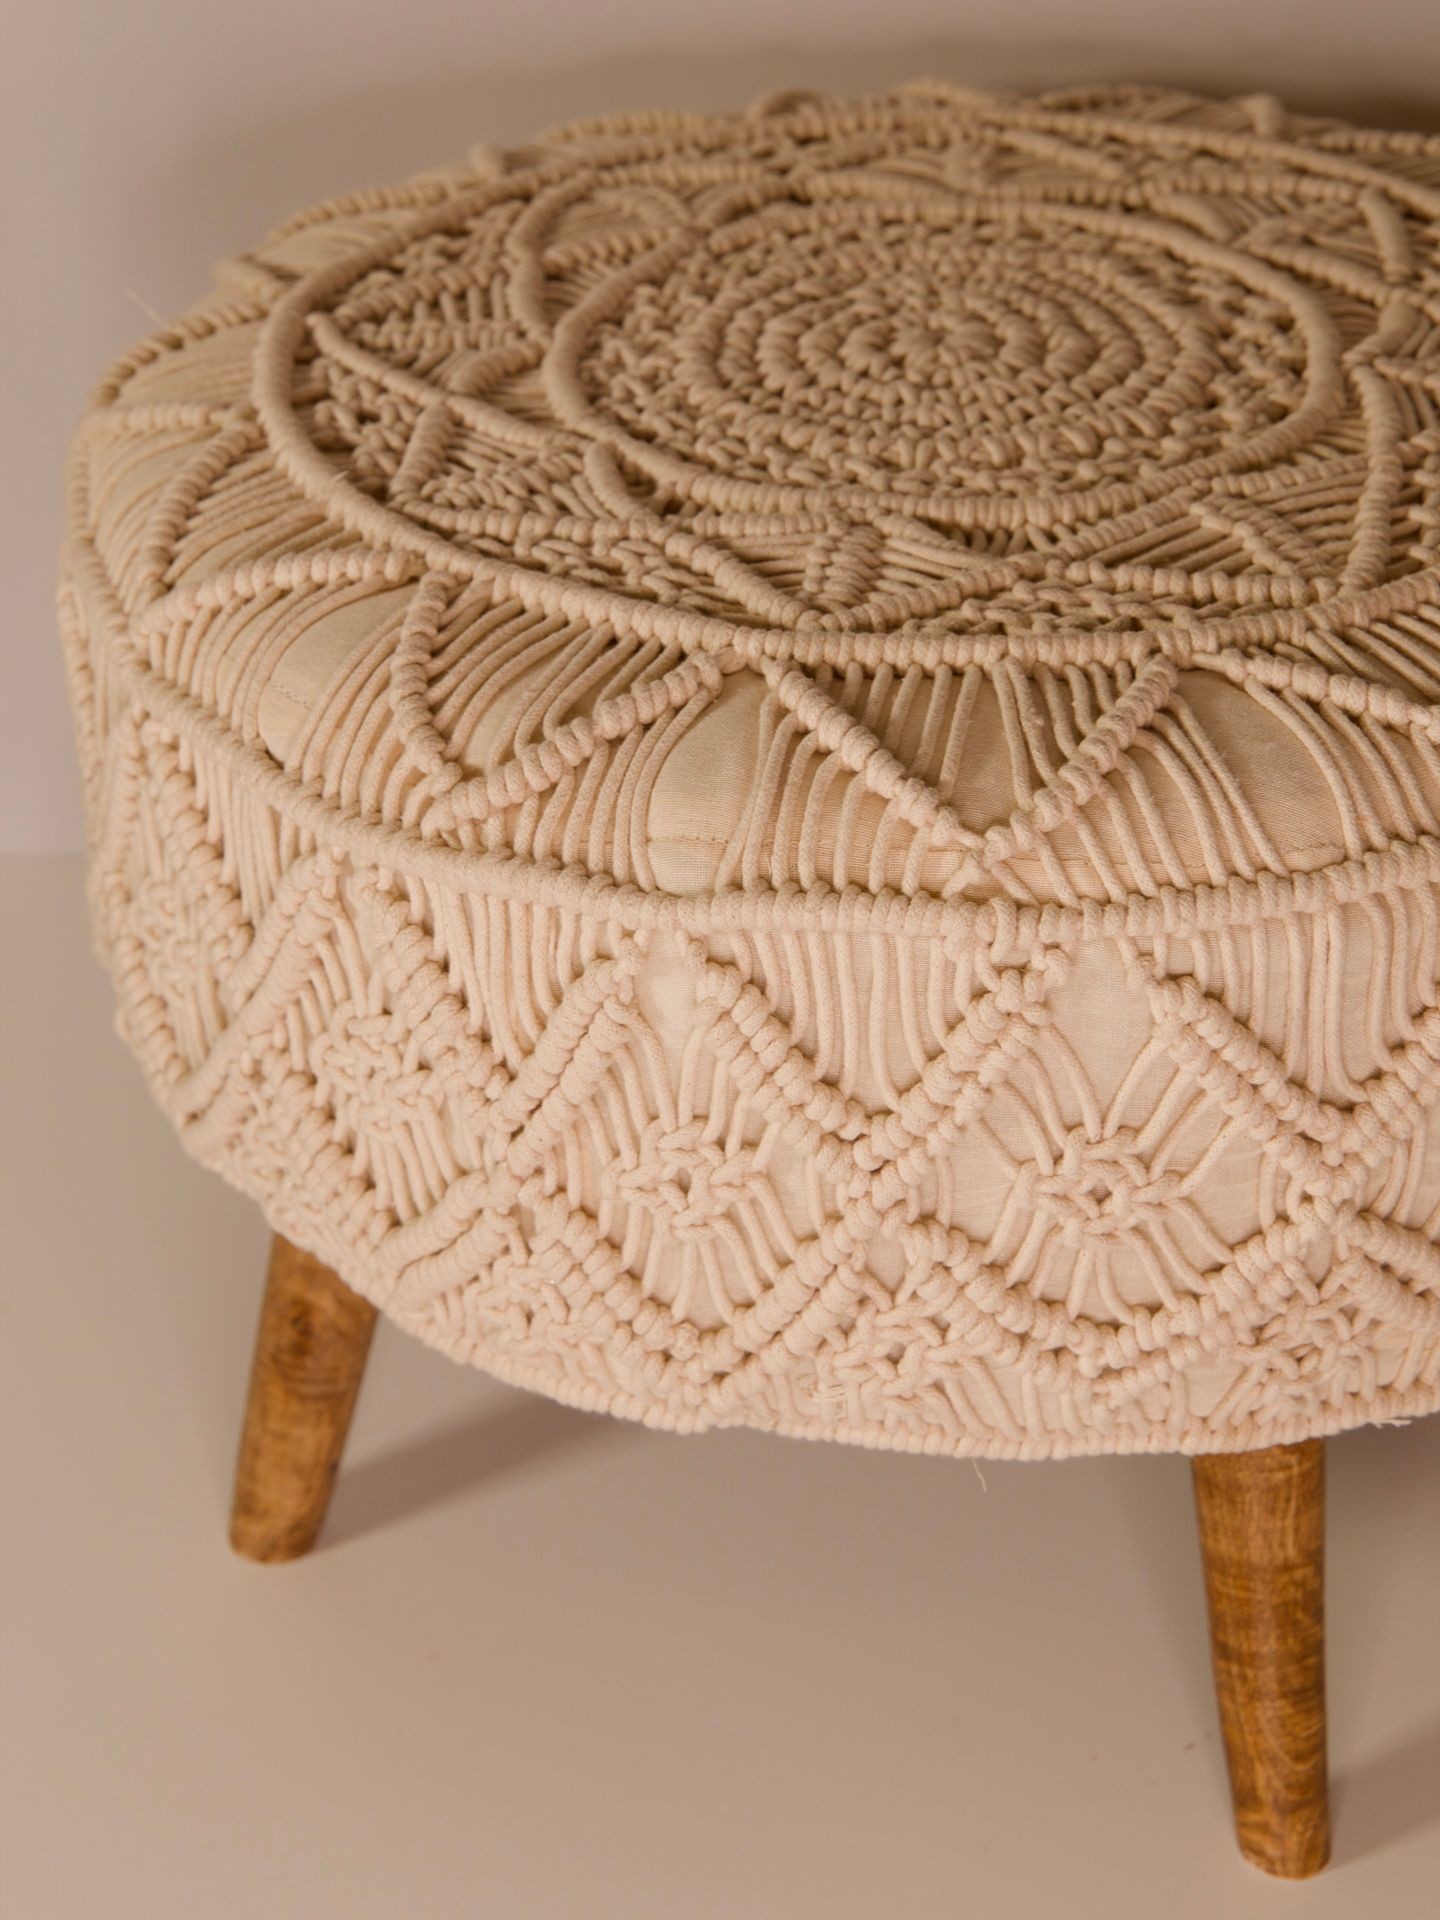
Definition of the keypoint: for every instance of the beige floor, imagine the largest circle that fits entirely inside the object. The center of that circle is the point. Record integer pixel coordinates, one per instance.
(545, 1665)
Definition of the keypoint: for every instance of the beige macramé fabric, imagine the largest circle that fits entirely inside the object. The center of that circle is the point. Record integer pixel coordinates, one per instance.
(785, 769)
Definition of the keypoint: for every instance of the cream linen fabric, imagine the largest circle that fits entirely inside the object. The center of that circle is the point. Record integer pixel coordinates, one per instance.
(783, 770)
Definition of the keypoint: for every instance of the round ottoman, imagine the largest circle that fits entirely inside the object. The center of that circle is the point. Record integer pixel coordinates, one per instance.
(784, 769)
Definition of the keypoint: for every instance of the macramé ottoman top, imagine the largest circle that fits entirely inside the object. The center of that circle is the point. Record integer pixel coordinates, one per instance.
(784, 769)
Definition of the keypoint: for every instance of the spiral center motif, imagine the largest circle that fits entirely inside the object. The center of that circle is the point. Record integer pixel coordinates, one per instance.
(989, 366)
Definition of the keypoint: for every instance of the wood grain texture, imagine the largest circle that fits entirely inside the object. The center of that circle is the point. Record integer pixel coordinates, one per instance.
(1262, 1533)
(310, 1355)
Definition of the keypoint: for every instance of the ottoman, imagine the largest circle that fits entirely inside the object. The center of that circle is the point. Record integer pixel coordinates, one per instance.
(784, 770)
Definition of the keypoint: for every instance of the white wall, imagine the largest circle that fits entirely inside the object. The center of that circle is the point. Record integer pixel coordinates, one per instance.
(147, 137)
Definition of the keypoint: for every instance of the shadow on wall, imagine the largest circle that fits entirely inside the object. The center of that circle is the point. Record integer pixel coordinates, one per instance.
(242, 186)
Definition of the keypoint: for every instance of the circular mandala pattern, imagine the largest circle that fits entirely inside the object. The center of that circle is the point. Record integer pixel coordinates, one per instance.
(921, 366)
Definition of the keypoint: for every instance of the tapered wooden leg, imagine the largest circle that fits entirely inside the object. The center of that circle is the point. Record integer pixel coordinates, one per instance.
(1262, 1533)
(309, 1358)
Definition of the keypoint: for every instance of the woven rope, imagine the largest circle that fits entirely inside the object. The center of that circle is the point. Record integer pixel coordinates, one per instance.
(784, 769)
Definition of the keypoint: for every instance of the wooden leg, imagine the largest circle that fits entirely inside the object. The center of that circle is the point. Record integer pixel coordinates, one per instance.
(1262, 1533)
(309, 1358)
